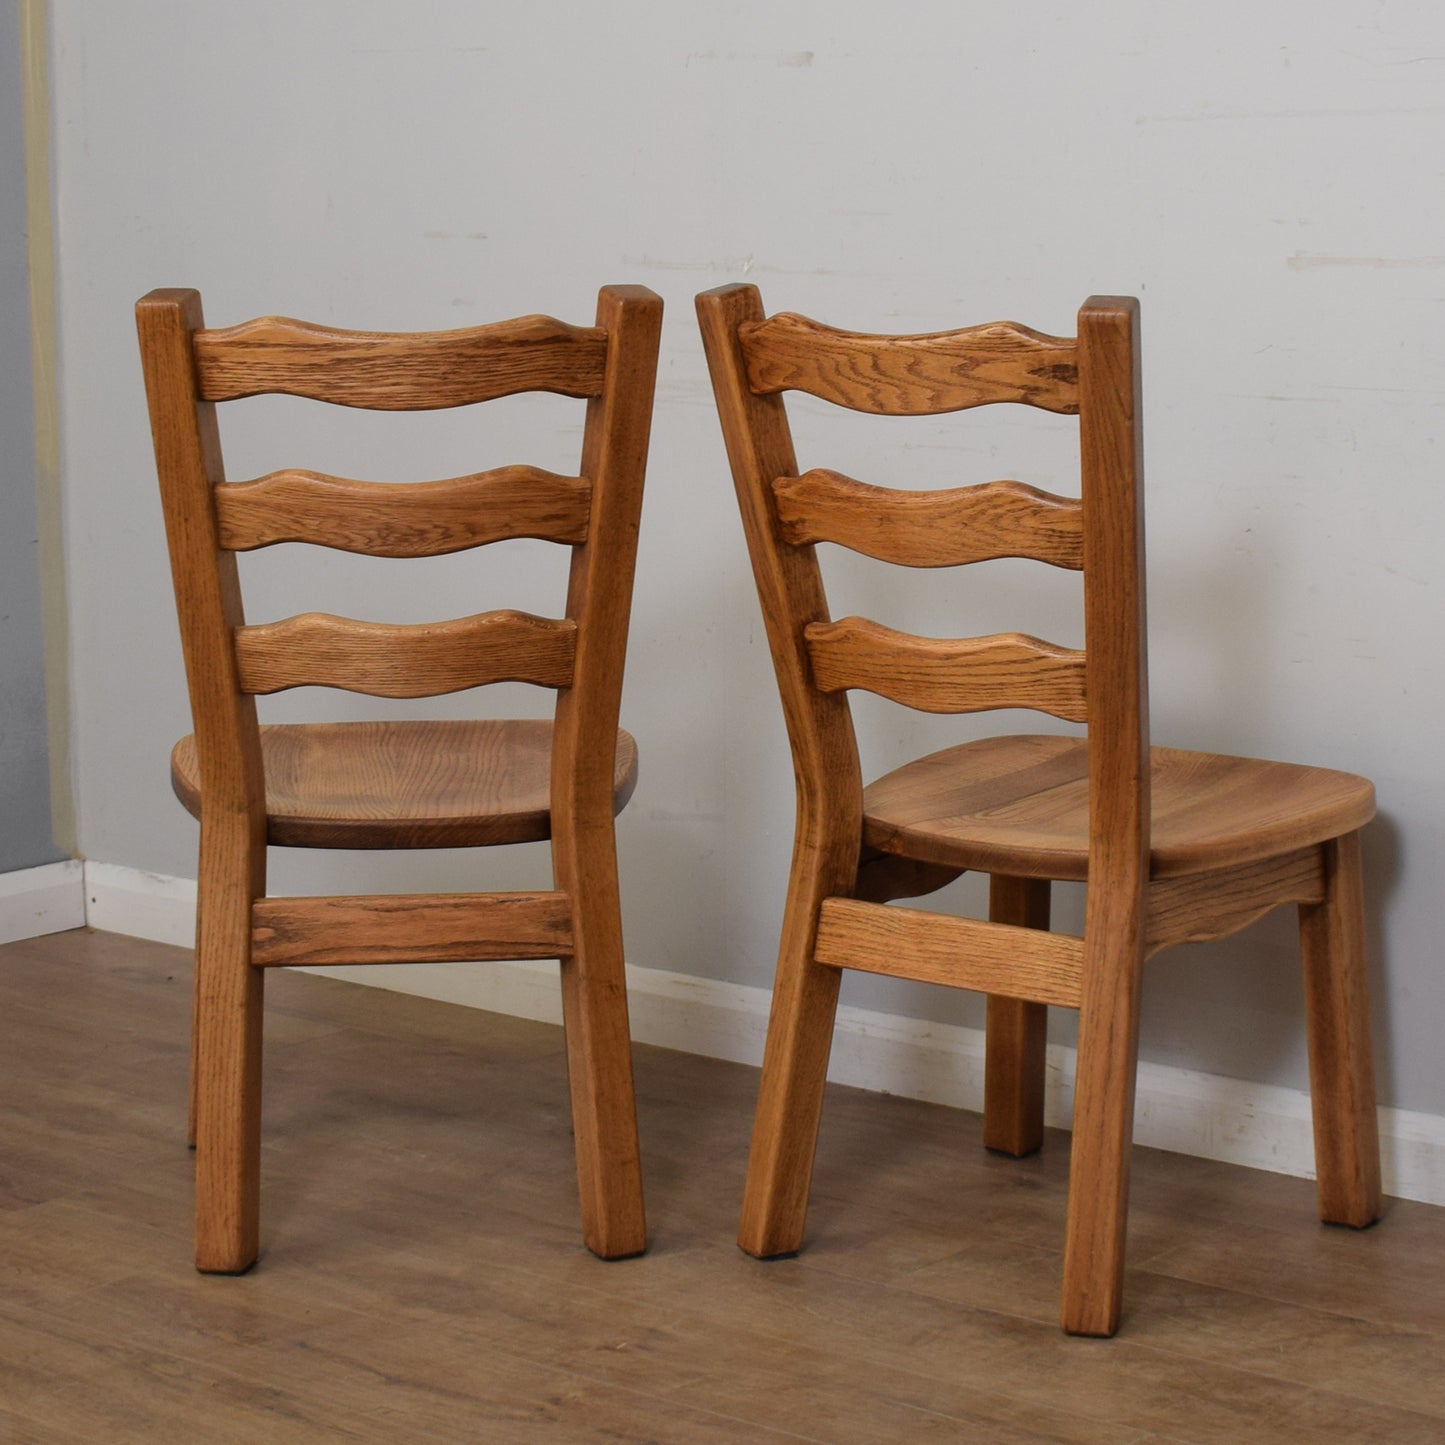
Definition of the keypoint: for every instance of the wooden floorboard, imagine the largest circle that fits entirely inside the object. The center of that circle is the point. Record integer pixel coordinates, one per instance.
(422, 1276)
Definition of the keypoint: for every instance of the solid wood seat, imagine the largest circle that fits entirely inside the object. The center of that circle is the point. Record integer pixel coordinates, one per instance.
(407, 783)
(463, 783)
(1020, 805)
(1174, 847)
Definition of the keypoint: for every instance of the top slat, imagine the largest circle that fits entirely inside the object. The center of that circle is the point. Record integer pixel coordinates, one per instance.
(912, 375)
(400, 371)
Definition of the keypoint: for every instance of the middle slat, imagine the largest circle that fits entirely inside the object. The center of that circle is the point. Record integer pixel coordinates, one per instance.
(945, 675)
(931, 529)
(405, 660)
(403, 519)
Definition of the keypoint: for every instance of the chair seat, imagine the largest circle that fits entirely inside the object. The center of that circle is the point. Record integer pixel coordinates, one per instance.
(1020, 805)
(415, 784)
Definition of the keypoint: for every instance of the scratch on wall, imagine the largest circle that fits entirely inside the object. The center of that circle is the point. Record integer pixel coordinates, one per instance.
(1305, 261)
(746, 266)
(1331, 113)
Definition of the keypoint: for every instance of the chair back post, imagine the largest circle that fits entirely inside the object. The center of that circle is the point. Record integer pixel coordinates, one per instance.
(207, 588)
(599, 591)
(790, 588)
(1112, 468)
(1116, 916)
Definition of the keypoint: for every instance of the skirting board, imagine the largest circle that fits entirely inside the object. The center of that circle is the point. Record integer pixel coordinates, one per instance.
(1260, 1126)
(36, 901)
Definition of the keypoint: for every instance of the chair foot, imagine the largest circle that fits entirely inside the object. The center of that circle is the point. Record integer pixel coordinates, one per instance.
(1337, 1015)
(1088, 1325)
(609, 1254)
(228, 1105)
(1102, 1147)
(604, 1108)
(1015, 1066)
(1014, 1076)
(227, 1221)
(224, 1272)
(769, 1258)
(789, 1109)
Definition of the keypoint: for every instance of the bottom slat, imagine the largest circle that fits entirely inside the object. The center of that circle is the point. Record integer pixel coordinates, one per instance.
(995, 958)
(410, 928)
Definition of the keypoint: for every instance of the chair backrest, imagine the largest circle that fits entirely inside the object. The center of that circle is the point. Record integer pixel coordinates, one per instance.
(754, 358)
(189, 369)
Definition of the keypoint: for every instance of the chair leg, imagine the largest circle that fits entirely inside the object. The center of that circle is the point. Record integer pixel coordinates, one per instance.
(599, 1072)
(194, 1048)
(1101, 1148)
(1337, 1016)
(1014, 1067)
(790, 1092)
(226, 1049)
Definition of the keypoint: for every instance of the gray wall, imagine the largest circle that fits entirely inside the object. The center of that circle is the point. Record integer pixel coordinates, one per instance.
(25, 829)
(1265, 177)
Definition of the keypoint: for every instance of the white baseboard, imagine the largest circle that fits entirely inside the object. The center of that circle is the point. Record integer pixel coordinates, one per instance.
(140, 904)
(1260, 1126)
(36, 901)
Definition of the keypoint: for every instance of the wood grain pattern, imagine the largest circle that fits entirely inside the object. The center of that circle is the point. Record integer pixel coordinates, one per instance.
(911, 375)
(403, 519)
(1212, 905)
(992, 958)
(973, 674)
(409, 928)
(422, 659)
(418, 783)
(931, 529)
(1020, 804)
(396, 371)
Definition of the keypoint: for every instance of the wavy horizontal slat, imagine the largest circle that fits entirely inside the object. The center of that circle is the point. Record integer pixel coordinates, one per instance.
(1204, 906)
(400, 371)
(403, 519)
(931, 529)
(971, 674)
(995, 958)
(912, 375)
(405, 660)
(409, 928)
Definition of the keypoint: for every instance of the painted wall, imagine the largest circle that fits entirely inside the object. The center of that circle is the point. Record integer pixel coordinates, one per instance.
(1266, 178)
(25, 827)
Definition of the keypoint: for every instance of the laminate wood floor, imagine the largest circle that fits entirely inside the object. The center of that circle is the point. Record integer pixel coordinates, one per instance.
(422, 1276)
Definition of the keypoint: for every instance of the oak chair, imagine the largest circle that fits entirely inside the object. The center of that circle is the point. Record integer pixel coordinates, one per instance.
(1175, 846)
(404, 784)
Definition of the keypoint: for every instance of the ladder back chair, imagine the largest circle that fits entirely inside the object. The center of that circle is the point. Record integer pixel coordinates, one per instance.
(404, 784)
(1175, 846)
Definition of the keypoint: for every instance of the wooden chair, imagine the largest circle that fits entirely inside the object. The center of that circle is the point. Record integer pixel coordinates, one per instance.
(404, 784)
(1175, 846)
